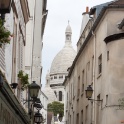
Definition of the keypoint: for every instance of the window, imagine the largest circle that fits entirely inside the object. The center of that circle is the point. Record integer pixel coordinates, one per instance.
(67, 102)
(86, 114)
(88, 66)
(71, 92)
(55, 93)
(82, 80)
(106, 99)
(100, 64)
(82, 117)
(92, 69)
(55, 77)
(68, 37)
(60, 95)
(51, 78)
(107, 55)
(77, 121)
(98, 110)
(61, 77)
(78, 90)
(73, 118)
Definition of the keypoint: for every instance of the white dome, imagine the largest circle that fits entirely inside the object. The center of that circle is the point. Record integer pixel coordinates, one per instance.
(63, 60)
(49, 93)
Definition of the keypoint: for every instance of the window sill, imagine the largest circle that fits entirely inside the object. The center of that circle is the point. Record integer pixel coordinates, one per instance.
(99, 75)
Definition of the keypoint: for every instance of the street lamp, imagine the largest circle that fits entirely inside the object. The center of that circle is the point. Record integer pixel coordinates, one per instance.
(13, 85)
(5, 6)
(89, 92)
(60, 117)
(38, 118)
(33, 90)
(38, 106)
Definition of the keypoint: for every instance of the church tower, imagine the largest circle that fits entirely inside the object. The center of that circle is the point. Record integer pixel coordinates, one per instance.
(62, 61)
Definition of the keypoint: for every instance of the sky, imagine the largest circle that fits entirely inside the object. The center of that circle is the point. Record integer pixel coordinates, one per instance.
(59, 12)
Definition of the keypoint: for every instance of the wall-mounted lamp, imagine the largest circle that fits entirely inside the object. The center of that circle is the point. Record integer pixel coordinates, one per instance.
(5, 6)
(38, 106)
(33, 90)
(38, 118)
(60, 117)
(89, 92)
(13, 85)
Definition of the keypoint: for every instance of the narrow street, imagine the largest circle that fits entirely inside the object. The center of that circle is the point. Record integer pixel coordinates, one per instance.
(61, 62)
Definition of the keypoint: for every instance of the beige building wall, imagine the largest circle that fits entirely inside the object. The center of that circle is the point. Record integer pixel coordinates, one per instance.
(107, 83)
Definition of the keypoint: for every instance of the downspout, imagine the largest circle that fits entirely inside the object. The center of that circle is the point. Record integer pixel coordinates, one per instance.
(94, 66)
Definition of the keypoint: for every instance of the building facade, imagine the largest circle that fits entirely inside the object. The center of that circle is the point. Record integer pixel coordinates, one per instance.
(99, 63)
(59, 70)
(11, 62)
(19, 56)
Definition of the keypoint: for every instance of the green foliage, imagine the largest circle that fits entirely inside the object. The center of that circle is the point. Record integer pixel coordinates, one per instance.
(24, 79)
(4, 33)
(56, 108)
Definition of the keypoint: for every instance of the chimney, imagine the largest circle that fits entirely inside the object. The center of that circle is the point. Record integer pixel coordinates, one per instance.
(87, 9)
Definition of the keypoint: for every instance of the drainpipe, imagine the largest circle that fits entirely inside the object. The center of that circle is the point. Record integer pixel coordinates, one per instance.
(94, 66)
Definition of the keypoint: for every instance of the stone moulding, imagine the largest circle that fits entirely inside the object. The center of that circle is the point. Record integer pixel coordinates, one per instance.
(114, 37)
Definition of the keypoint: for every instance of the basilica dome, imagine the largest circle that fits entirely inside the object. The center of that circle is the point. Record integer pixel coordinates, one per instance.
(64, 59)
(61, 62)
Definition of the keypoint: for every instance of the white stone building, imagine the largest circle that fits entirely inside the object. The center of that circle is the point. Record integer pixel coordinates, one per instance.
(43, 111)
(99, 63)
(59, 70)
(35, 31)
(12, 60)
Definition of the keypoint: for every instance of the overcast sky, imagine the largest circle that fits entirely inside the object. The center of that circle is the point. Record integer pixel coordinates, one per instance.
(59, 12)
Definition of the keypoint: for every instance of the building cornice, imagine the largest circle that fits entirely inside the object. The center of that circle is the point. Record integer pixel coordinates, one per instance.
(114, 37)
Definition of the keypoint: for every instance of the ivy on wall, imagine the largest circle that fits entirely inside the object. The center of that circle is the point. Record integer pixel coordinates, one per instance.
(24, 79)
(5, 35)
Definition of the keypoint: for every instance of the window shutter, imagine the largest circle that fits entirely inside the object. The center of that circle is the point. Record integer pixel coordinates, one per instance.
(2, 58)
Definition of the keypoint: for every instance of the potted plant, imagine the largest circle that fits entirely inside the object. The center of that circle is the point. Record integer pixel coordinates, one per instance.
(23, 79)
(5, 35)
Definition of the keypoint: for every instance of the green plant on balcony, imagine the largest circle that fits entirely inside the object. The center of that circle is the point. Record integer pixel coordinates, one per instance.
(23, 79)
(5, 35)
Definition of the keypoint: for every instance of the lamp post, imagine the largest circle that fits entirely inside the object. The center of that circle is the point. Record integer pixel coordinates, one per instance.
(5, 6)
(60, 117)
(33, 90)
(38, 118)
(89, 92)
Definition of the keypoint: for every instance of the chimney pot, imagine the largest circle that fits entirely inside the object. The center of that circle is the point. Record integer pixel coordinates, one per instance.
(87, 9)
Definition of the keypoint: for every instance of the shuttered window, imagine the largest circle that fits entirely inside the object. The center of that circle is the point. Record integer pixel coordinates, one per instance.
(2, 58)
